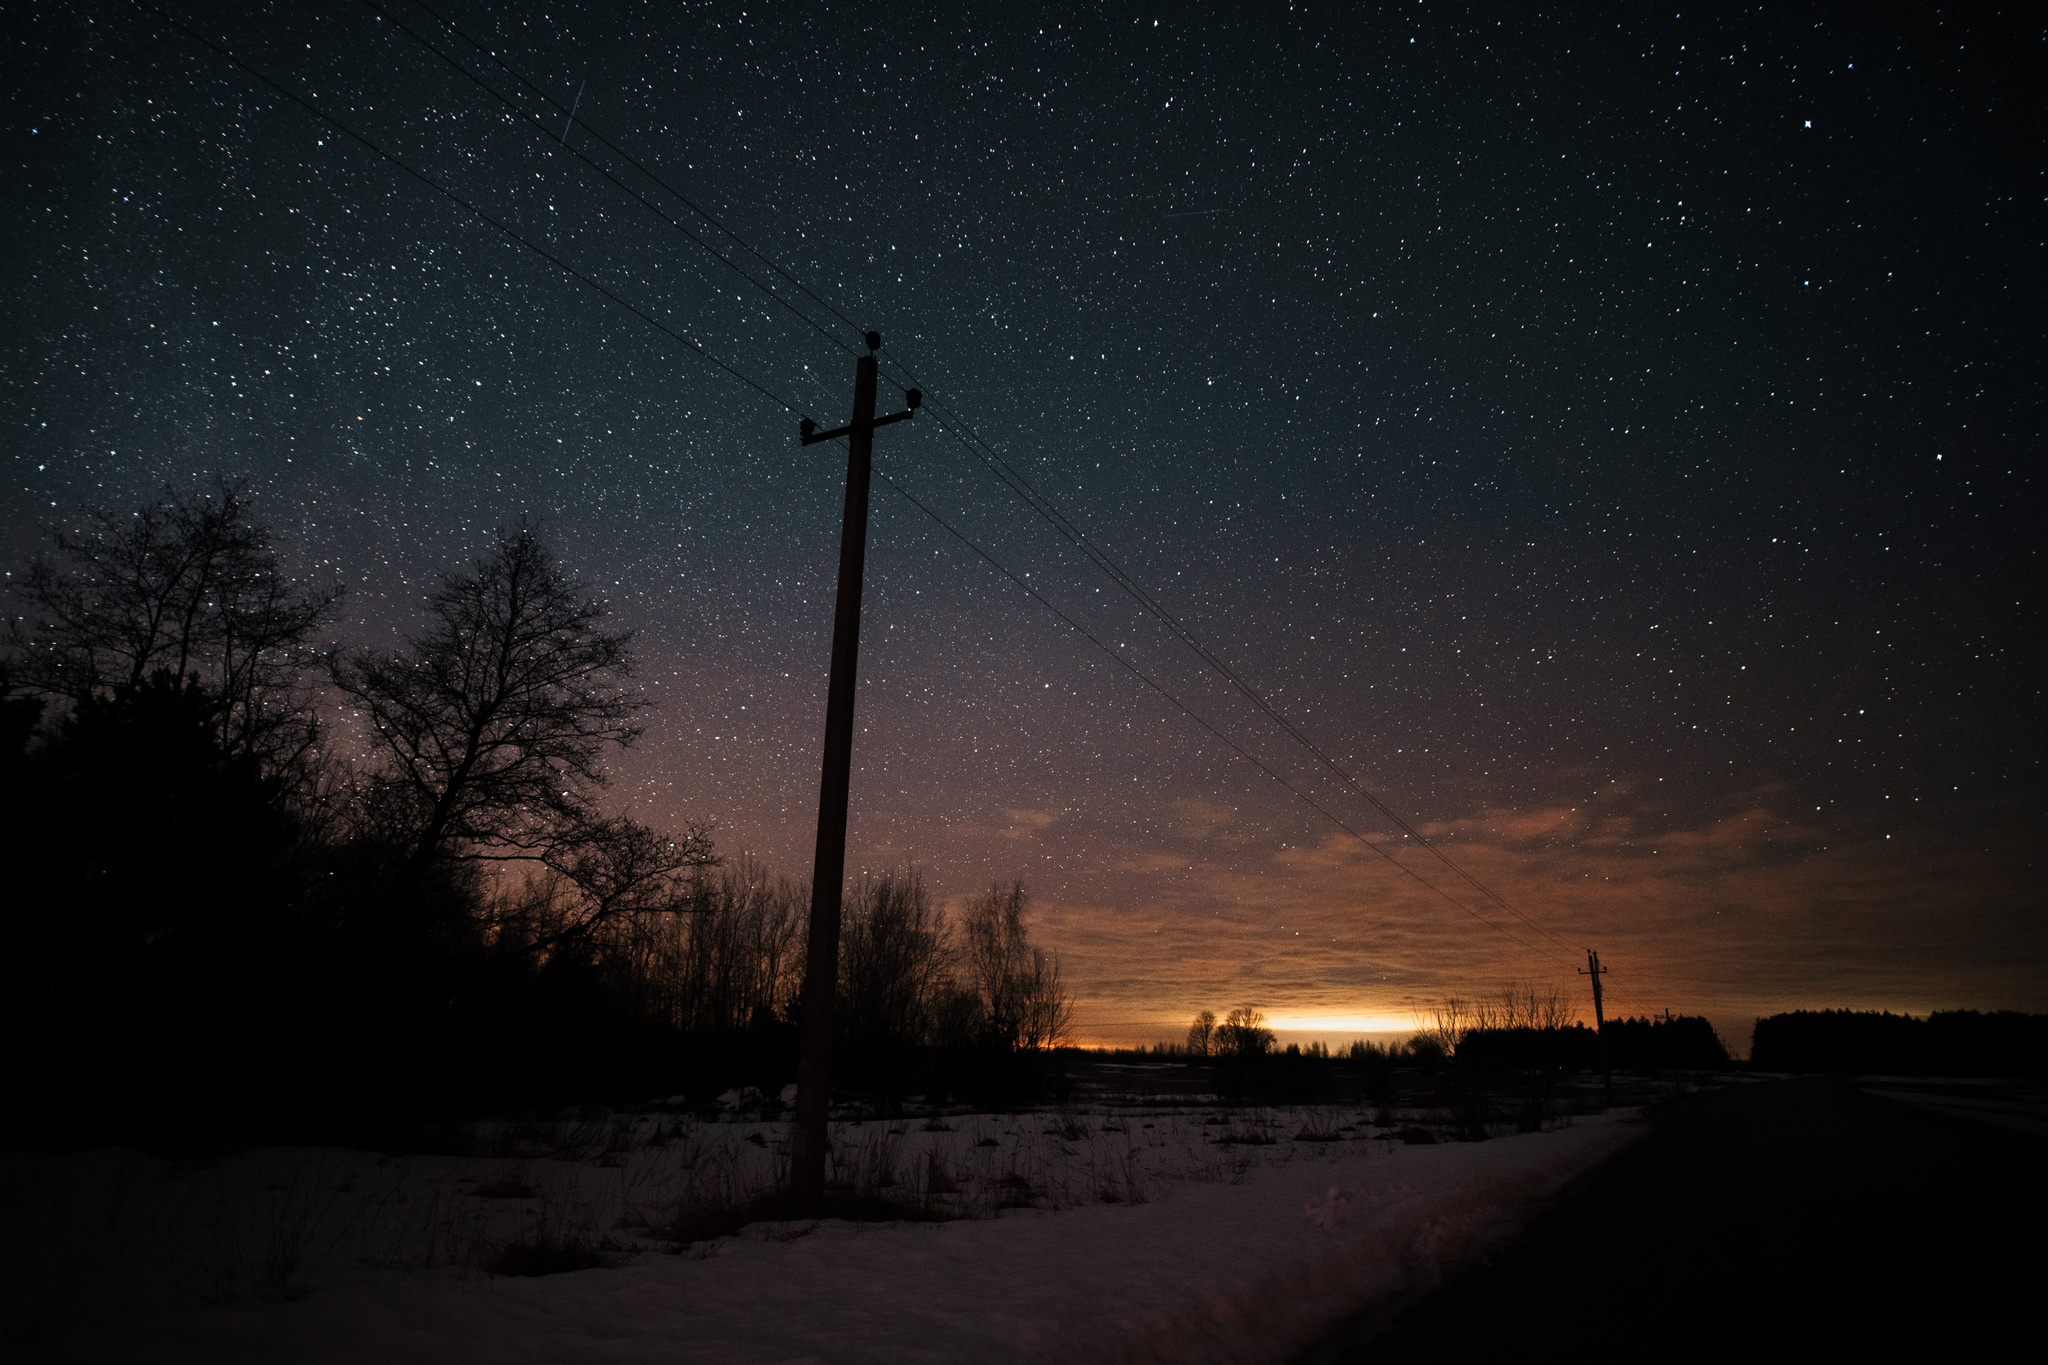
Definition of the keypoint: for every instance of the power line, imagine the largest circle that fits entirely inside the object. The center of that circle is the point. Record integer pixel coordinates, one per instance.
(1184, 709)
(638, 197)
(1613, 985)
(472, 209)
(955, 426)
(626, 157)
(975, 445)
(1050, 512)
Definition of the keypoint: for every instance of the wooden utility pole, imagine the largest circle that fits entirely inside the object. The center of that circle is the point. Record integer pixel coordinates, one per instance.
(1594, 970)
(807, 1145)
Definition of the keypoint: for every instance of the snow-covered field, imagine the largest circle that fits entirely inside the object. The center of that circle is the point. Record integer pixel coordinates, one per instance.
(2016, 1103)
(1171, 1233)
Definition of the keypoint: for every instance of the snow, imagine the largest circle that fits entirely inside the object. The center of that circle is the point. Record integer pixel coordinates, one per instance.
(2018, 1104)
(1229, 1240)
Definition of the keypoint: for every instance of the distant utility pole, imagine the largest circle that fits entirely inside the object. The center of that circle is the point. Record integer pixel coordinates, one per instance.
(1594, 970)
(828, 872)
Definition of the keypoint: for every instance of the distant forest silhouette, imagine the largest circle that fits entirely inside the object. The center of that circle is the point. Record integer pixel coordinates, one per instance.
(1523, 1032)
(224, 921)
(1945, 1043)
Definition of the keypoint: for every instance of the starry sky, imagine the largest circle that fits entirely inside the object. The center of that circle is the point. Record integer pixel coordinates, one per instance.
(1613, 439)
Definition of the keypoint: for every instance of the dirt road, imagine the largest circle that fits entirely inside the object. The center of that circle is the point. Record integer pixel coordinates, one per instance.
(1775, 1217)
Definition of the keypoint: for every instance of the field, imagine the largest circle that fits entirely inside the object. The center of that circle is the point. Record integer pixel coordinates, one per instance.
(1138, 1222)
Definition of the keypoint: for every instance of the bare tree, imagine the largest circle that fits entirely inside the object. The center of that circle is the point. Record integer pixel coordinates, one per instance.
(1447, 1023)
(491, 722)
(1023, 1001)
(189, 588)
(1201, 1033)
(606, 882)
(992, 932)
(894, 959)
(1521, 1005)
(1243, 1033)
(735, 961)
(1047, 1019)
(1527, 1005)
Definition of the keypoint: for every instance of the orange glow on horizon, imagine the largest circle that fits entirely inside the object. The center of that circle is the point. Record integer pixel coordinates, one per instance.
(1331, 1024)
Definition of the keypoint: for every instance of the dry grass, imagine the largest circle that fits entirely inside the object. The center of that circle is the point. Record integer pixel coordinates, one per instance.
(549, 1196)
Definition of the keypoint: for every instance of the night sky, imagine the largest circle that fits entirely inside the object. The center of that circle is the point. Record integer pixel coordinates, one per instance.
(1615, 440)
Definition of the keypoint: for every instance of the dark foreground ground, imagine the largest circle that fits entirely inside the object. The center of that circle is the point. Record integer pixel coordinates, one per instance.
(1763, 1219)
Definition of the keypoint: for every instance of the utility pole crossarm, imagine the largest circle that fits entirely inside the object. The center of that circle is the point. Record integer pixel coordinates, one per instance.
(811, 434)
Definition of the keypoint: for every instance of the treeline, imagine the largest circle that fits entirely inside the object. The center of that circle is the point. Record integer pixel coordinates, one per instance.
(1246, 1063)
(1945, 1043)
(1417, 1051)
(1678, 1043)
(1521, 1028)
(1535, 1028)
(228, 916)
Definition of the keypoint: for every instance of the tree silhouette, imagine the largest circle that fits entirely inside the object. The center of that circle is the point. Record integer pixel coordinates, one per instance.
(1024, 1003)
(151, 797)
(893, 961)
(492, 720)
(156, 932)
(619, 871)
(19, 715)
(1243, 1033)
(188, 587)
